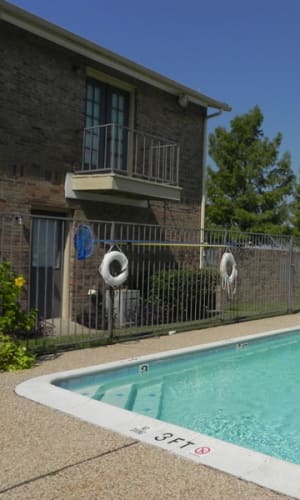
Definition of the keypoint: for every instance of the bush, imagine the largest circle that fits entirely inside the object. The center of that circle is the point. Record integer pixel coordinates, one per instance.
(181, 295)
(14, 356)
(14, 321)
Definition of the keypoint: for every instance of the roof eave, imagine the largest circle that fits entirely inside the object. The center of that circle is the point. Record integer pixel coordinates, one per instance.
(53, 33)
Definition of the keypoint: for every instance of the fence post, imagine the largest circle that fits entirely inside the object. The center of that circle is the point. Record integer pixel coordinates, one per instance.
(291, 273)
(110, 312)
(110, 296)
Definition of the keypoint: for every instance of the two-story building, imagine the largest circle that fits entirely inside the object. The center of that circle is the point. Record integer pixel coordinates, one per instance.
(87, 134)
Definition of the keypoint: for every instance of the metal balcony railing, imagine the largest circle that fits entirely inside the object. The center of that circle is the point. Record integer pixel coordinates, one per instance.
(112, 148)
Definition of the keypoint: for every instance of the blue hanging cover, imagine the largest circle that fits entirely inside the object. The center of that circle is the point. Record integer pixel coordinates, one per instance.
(84, 242)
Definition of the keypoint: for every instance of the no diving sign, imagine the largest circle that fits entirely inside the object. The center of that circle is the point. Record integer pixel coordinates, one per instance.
(201, 450)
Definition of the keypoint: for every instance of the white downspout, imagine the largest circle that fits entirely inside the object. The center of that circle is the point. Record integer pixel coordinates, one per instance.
(204, 174)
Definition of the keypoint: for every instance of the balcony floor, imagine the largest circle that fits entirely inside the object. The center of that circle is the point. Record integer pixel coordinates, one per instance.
(116, 184)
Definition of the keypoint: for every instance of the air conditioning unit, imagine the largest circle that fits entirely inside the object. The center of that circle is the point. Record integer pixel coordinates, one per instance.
(125, 307)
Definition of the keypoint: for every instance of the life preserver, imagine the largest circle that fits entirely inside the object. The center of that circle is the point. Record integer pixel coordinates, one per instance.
(104, 269)
(228, 280)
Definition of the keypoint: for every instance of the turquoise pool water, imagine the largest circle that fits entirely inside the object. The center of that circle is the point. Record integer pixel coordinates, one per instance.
(246, 393)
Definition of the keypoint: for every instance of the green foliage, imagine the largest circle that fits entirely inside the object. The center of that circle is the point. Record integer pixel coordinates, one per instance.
(296, 212)
(14, 356)
(13, 319)
(181, 294)
(251, 187)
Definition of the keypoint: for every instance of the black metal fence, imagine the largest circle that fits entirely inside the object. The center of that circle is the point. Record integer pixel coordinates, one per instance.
(173, 280)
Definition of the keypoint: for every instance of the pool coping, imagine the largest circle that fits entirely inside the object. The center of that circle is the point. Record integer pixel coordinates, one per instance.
(266, 471)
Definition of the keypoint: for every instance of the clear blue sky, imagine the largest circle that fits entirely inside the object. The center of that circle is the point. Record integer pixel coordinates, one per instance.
(239, 52)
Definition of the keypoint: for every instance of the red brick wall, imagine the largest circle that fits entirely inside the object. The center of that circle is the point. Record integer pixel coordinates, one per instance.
(42, 119)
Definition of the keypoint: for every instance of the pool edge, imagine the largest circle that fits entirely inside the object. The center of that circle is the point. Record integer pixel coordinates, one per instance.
(248, 465)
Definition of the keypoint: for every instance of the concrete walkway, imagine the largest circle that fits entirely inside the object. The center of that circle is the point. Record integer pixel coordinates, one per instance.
(46, 454)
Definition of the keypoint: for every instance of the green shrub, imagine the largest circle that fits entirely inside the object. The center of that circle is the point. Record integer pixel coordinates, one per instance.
(14, 356)
(181, 295)
(13, 319)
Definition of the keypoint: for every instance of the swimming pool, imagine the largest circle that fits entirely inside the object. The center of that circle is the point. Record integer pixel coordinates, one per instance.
(229, 392)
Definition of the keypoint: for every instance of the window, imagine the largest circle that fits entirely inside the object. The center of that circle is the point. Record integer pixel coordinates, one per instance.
(106, 127)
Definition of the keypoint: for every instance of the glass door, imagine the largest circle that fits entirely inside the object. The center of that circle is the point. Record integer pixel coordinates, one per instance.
(118, 116)
(106, 122)
(47, 249)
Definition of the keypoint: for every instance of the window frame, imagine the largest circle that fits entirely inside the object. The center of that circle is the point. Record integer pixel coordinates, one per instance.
(107, 87)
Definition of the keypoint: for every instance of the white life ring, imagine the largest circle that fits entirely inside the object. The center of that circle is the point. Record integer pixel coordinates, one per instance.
(104, 269)
(228, 280)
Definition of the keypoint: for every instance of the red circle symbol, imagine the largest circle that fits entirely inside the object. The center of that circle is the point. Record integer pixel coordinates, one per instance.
(202, 450)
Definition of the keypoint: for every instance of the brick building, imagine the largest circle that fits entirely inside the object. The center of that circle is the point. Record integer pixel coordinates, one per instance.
(88, 134)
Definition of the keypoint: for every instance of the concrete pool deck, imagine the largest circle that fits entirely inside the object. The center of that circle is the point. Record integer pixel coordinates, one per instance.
(46, 454)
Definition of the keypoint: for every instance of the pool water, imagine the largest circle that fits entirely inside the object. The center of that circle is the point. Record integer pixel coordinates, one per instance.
(246, 393)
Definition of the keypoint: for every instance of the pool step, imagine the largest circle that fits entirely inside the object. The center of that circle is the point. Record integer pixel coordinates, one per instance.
(144, 399)
(119, 396)
(89, 391)
(147, 399)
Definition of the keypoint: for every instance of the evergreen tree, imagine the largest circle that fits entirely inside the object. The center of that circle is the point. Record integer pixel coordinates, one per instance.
(296, 211)
(251, 187)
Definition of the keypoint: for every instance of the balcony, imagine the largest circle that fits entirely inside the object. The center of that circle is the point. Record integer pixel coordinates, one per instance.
(120, 161)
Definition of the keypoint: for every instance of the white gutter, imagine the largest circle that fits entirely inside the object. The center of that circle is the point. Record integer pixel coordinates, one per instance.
(204, 176)
(33, 24)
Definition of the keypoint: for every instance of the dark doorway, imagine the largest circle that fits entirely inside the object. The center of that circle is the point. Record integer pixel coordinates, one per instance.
(47, 250)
